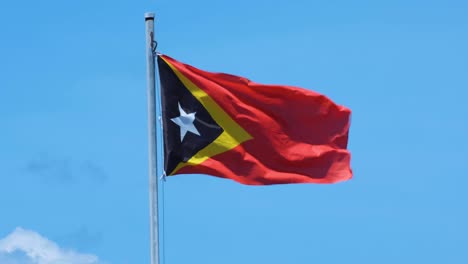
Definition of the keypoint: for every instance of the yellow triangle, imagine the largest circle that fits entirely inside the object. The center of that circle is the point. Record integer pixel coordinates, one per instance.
(232, 136)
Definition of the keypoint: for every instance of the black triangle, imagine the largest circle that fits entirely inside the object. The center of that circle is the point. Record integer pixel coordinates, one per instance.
(173, 93)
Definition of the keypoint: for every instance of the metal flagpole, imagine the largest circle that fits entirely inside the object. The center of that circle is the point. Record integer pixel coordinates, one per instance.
(153, 180)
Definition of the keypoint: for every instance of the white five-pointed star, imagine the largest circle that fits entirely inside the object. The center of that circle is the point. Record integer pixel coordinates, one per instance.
(185, 122)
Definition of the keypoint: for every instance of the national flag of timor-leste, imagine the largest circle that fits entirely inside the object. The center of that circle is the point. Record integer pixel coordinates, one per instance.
(227, 126)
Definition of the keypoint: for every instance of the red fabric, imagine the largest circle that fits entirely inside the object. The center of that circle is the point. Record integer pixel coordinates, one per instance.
(299, 136)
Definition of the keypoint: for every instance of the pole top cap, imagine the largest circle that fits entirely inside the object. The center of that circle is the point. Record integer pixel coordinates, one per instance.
(149, 15)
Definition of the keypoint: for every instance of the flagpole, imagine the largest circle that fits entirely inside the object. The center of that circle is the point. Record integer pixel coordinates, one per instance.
(152, 143)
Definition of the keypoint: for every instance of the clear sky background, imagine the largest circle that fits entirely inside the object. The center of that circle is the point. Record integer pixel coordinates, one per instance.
(73, 132)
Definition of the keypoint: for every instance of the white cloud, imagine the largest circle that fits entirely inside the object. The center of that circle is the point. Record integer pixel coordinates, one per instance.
(28, 247)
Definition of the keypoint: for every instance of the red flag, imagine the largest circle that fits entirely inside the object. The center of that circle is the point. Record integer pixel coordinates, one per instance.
(227, 126)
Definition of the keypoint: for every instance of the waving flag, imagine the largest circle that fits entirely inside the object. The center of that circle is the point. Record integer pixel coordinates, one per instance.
(227, 126)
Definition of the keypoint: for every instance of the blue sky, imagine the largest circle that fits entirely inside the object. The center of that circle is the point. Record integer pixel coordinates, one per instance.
(73, 142)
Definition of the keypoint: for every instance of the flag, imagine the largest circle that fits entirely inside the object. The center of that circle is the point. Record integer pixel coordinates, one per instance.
(230, 127)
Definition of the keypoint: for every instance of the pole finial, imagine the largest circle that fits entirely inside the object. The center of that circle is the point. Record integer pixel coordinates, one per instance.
(149, 15)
